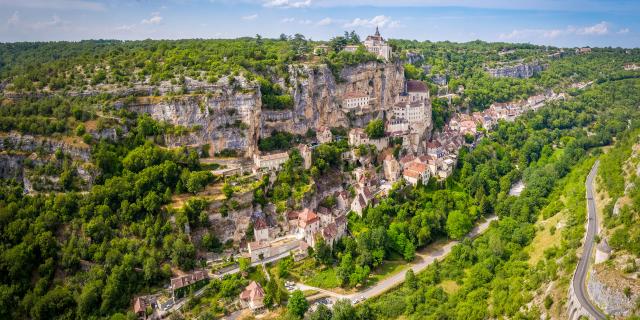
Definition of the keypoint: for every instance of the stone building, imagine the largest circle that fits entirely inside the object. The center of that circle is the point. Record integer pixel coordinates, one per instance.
(353, 100)
(416, 171)
(391, 168)
(378, 46)
(414, 90)
(308, 225)
(321, 50)
(261, 230)
(270, 161)
(324, 135)
(414, 112)
(305, 153)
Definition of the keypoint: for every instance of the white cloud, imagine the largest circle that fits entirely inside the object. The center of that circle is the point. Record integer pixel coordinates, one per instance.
(288, 20)
(55, 4)
(325, 22)
(14, 20)
(287, 3)
(250, 17)
(377, 21)
(623, 30)
(597, 29)
(305, 21)
(155, 19)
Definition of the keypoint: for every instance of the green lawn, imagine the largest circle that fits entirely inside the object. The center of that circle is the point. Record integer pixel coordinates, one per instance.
(387, 269)
(325, 279)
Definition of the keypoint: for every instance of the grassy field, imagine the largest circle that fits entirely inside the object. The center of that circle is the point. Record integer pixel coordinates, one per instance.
(547, 236)
(326, 279)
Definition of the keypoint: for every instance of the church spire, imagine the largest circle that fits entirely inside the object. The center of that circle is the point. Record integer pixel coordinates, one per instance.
(377, 32)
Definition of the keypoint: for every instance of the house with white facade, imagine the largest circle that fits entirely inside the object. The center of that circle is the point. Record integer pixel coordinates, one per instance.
(413, 112)
(355, 100)
(358, 204)
(397, 127)
(351, 48)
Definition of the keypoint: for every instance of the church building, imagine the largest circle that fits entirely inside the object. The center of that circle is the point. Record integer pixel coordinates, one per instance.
(377, 45)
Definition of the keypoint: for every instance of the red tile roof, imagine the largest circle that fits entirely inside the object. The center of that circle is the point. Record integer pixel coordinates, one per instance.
(183, 281)
(253, 292)
(260, 224)
(306, 217)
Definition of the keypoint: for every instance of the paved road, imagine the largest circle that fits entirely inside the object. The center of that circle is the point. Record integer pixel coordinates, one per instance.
(581, 271)
(398, 278)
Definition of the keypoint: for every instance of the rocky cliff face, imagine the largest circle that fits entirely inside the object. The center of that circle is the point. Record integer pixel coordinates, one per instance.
(28, 143)
(318, 96)
(607, 289)
(21, 153)
(233, 118)
(225, 118)
(518, 71)
(11, 166)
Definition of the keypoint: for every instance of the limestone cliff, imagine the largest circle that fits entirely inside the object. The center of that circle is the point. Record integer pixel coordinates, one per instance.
(48, 145)
(224, 117)
(21, 155)
(232, 117)
(318, 96)
(607, 286)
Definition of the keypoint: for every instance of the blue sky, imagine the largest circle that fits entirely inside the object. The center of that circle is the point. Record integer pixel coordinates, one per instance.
(561, 23)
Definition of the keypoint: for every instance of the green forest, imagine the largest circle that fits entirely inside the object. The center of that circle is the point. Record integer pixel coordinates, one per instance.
(85, 253)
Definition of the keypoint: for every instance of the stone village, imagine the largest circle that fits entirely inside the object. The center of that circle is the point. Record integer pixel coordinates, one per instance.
(403, 105)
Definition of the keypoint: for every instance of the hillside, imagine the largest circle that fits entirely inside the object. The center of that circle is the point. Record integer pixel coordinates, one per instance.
(166, 177)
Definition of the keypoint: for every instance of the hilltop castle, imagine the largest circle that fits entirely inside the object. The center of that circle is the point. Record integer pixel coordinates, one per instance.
(374, 44)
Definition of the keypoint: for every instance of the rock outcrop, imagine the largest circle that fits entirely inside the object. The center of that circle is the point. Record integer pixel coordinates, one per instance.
(232, 117)
(11, 166)
(609, 293)
(522, 70)
(317, 96)
(48, 145)
(224, 117)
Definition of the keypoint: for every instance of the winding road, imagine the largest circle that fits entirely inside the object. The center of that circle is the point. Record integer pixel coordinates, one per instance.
(580, 274)
(396, 279)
